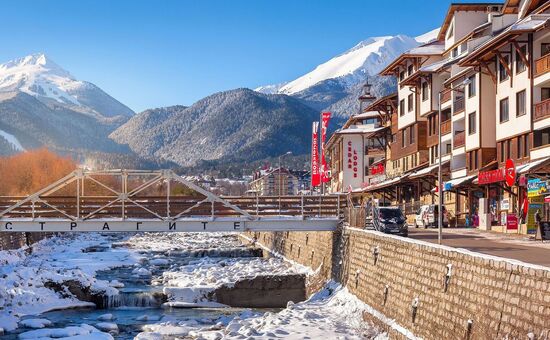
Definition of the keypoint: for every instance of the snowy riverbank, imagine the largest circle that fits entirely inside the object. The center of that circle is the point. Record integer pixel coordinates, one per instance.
(185, 267)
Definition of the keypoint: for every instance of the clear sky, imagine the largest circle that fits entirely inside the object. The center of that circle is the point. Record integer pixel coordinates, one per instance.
(158, 53)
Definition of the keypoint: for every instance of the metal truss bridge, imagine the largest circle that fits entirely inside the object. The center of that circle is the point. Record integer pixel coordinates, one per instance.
(135, 200)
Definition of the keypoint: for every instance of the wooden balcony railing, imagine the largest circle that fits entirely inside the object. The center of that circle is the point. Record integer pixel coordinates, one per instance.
(542, 110)
(445, 127)
(445, 96)
(542, 65)
(459, 139)
(458, 105)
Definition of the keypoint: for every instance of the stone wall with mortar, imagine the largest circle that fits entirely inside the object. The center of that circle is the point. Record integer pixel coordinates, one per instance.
(483, 297)
(18, 240)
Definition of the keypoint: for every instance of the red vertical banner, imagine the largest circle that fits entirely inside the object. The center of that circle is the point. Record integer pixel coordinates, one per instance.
(325, 118)
(315, 174)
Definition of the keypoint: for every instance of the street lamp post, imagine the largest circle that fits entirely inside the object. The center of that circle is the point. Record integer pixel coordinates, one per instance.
(280, 178)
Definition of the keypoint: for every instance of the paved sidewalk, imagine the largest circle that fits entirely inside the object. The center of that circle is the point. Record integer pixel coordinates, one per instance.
(518, 247)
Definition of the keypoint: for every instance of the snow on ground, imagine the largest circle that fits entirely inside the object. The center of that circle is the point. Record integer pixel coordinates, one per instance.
(81, 332)
(332, 313)
(58, 259)
(183, 241)
(12, 140)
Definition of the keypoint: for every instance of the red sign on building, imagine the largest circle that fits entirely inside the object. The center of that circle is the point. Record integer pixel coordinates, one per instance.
(508, 175)
(377, 169)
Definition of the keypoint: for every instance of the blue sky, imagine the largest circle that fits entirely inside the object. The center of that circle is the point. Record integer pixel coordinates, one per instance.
(157, 53)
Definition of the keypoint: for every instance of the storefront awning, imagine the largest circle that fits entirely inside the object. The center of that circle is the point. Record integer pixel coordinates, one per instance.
(532, 166)
(429, 170)
(453, 183)
(386, 183)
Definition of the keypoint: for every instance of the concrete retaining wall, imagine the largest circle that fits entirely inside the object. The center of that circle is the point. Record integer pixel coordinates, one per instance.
(500, 298)
(18, 240)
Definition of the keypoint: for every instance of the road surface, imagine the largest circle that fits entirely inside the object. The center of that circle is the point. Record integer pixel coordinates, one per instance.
(510, 246)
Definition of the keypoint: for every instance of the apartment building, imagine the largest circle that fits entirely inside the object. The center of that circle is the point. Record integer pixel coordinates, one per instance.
(488, 73)
(274, 182)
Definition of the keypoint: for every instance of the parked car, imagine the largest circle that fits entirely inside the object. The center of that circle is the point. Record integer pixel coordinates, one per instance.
(392, 221)
(427, 216)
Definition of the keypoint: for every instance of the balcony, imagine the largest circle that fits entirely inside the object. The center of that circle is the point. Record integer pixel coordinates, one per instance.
(446, 127)
(542, 65)
(458, 105)
(459, 139)
(445, 96)
(542, 110)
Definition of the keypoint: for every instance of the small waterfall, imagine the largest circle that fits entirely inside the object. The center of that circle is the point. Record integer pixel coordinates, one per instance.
(134, 299)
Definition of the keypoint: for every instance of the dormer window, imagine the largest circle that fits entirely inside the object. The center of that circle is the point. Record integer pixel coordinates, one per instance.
(401, 75)
(410, 70)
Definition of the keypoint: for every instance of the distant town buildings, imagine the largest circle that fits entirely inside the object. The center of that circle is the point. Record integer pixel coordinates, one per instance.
(278, 181)
(484, 85)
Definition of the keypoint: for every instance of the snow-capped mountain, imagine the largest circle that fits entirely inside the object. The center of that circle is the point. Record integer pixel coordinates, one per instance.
(330, 84)
(42, 78)
(41, 104)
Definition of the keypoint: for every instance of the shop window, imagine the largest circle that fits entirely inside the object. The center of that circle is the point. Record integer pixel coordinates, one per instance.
(503, 110)
(541, 137)
(425, 90)
(472, 123)
(520, 65)
(520, 103)
(502, 72)
(410, 102)
(472, 86)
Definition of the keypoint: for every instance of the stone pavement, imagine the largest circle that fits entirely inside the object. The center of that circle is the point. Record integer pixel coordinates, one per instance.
(518, 247)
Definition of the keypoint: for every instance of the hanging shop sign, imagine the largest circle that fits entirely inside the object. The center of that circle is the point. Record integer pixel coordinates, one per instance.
(315, 173)
(508, 175)
(377, 169)
(353, 159)
(325, 118)
(536, 187)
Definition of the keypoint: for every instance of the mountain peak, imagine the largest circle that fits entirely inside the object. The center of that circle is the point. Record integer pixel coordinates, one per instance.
(39, 61)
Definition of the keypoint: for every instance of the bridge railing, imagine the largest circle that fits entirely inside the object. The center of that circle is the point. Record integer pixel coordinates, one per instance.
(163, 207)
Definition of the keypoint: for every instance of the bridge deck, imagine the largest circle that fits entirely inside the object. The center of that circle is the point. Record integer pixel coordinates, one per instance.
(132, 200)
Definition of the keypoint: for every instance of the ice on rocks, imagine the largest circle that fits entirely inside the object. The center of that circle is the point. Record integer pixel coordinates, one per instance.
(107, 327)
(35, 323)
(83, 331)
(106, 317)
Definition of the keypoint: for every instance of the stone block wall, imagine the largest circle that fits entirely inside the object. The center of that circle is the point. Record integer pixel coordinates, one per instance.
(483, 298)
(18, 240)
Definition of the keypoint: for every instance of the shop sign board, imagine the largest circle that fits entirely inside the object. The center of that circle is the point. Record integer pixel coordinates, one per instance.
(353, 159)
(535, 203)
(508, 175)
(536, 187)
(511, 222)
(377, 169)
(505, 204)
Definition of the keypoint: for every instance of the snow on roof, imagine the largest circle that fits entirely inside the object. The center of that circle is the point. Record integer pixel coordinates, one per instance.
(428, 36)
(532, 22)
(438, 65)
(368, 128)
(433, 48)
(368, 114)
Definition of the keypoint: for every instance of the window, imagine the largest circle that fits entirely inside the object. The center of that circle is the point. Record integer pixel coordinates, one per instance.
(402, 107)
(508, 149)
(450, 32)
(410, 102)
(448, 148)
(403, 137)
(545, 93)
(520, 147)
(520, 103)
(455, 52)
(436, 151)
(502, 72)
(544, 49)
(476, 165)
(501, 151)
(410, 70)
(520, 64)
(411, 134)
(472, 86)
(503, 110)
(425, 90)
(541, 137)
(401, 75)
(472, 123)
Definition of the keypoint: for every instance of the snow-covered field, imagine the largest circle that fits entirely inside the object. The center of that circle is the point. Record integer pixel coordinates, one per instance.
(174, 263)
